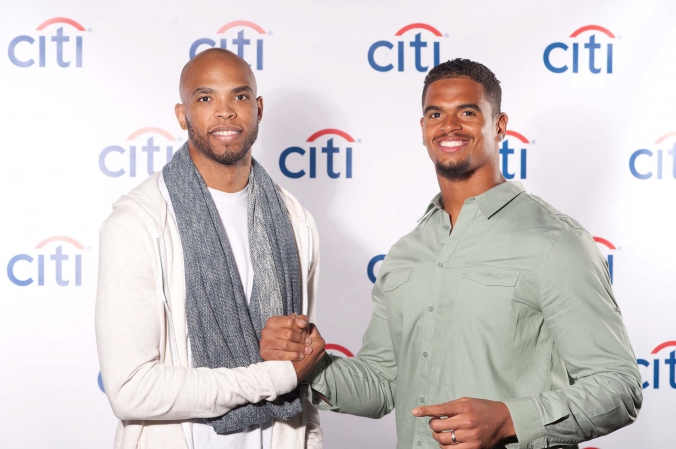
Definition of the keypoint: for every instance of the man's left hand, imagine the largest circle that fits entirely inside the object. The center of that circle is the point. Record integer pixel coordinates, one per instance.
(478, 424)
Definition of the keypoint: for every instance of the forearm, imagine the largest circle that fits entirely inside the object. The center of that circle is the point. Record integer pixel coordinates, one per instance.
(595, 406)
(585, 324)
(353, 386)
(155, 391)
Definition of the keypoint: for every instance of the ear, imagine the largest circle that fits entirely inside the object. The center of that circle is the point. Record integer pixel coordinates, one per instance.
(179, 110)
(259, 102)
(501, 126)
(422, 129)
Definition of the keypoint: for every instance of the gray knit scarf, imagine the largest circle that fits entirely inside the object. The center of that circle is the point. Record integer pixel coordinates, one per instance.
(224, 331)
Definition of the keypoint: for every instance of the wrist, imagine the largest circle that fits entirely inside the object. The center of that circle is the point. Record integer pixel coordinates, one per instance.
(507, 428)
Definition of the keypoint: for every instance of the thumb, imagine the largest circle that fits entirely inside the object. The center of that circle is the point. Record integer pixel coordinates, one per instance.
(302, 321)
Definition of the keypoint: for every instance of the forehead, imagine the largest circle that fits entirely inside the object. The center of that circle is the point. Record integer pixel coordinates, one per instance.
(452, 91)
(213, 72)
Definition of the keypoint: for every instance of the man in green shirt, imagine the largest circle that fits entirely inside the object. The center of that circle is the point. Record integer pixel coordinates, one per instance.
(494, 322)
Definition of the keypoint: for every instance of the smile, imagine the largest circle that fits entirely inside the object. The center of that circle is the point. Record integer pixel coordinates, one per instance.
(452, 143)
(226, 134)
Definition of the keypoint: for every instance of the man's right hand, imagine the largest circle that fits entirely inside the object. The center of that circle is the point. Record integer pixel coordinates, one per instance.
(292, 338)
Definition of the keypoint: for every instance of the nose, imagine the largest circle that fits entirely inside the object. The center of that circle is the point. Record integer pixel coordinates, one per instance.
(451, 123)
(225, 111)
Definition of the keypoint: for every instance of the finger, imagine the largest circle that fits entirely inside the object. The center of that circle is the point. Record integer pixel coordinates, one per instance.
(284, 322)
(458, 446)
(463, 437)
(271, 354)
(452, 423)
(284, 345)
(448, 409)
(302, 321)
(268, 334)
(313, 331)
(289, 335)
(318, 342)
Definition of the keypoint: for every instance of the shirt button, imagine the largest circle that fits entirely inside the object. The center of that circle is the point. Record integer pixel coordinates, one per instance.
(445, 226)
(440, 264)
(530, 445)
(422, 399)
(425, 354)
(419, 443)
(430, 308)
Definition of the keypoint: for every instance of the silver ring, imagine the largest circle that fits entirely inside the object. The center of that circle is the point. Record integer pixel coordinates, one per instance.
(455, 441)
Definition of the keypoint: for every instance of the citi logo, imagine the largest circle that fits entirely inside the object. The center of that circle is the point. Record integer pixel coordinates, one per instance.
(54, 264)
(599, 53)
(238, 33)
(150, 148)
(606, 248)
(416, 53)
(335, 349)
(514, 156)
(647, 164)
(371, 267)
(293, 160)
(57, 47)
(657, 364)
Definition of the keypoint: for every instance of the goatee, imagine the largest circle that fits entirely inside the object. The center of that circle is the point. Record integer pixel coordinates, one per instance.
(454, 172)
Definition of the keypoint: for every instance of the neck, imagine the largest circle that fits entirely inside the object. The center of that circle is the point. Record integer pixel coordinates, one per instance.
(230, 178)
(454, 192)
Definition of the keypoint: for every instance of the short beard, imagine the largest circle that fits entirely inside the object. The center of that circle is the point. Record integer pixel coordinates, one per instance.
(454, 172)
(228, 157)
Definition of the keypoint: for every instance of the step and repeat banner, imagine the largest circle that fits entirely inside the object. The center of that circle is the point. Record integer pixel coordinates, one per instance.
(87, 94)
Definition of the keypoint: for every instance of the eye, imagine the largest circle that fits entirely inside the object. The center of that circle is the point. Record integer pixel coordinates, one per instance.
(470, 113)
(242, 97)
(435, 115)
(203, 99)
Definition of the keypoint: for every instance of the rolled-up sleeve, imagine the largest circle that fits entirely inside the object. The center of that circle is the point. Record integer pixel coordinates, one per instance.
(363, 385)
(585, 323)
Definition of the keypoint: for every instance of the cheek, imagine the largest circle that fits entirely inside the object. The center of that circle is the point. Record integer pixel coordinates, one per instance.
(198, 117)
(429, 130)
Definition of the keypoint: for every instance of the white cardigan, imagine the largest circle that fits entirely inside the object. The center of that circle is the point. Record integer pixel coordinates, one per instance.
(141, 333)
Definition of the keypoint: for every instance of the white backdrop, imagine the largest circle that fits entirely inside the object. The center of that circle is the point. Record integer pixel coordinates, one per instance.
(87, 92)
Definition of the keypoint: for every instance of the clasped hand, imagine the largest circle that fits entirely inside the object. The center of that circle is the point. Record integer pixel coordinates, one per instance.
(295, 339)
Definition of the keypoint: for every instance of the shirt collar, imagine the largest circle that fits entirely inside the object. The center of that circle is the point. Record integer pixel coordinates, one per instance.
(490, 202)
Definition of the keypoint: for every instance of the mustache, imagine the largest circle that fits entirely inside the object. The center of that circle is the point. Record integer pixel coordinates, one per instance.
(453, 134)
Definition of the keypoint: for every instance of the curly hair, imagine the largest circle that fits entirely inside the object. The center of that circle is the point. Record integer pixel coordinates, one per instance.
(464, 68)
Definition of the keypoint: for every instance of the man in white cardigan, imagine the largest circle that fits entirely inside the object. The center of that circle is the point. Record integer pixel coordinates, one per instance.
(165, 388)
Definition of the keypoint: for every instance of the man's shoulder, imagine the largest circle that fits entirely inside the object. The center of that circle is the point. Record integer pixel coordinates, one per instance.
(144, 203)
(536, 212)
(543, 226)
(296, 210)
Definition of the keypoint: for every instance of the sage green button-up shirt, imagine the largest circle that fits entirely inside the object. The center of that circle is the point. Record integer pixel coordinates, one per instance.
(513, 305)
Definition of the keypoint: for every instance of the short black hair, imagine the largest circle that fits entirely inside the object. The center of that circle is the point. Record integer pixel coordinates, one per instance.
(464, 68)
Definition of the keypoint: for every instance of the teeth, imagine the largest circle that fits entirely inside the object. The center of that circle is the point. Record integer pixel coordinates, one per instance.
(453, 143)
(225, 133)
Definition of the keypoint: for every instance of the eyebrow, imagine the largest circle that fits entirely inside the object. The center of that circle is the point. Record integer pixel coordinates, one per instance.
(462, 106)
(431, 108)
(240, 89)
(202, 90)
(470, 106)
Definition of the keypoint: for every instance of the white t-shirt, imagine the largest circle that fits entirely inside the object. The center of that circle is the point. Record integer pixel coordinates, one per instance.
(232, 208)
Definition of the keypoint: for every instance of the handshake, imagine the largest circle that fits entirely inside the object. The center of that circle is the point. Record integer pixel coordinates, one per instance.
(295, 339)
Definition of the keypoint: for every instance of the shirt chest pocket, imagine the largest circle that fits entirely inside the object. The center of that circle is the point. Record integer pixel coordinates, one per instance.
(396, 278)
(395, 286)
(487, 291)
